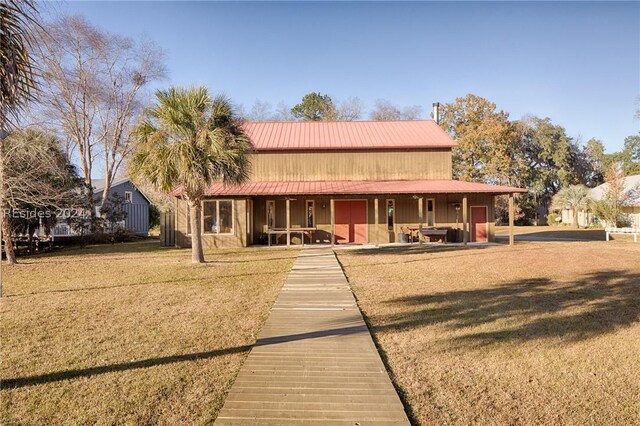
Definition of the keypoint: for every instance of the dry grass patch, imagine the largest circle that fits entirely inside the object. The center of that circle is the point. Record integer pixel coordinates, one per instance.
(130, 333)
(539, 333)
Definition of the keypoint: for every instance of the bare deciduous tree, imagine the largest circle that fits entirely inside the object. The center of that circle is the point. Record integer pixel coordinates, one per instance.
(93, 80)
(411, 112)
(283, 112)
(350, 109)
(384, 110)
(261, 111)
(38, 177)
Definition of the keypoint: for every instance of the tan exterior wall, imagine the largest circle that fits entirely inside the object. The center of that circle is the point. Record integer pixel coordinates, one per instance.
(238, 238)
(634, 215)
(406, 214)
(354, 165)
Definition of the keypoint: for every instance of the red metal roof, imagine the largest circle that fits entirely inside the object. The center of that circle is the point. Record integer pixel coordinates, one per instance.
(349, 187)
(331, 135)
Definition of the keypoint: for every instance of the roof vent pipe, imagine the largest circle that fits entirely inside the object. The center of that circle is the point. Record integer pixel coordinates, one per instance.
(436, 112)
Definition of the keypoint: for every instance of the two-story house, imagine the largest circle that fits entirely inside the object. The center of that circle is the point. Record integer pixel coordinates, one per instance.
(344, 182)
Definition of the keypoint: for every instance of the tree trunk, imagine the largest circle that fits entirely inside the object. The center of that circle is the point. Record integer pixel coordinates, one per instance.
(4, 207)
(8, 242)
(197, 256)
(575, 217)
(92, 206)
(29, 239)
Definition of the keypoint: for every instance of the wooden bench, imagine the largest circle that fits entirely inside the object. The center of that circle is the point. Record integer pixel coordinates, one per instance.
(624, 231)
(441, 234)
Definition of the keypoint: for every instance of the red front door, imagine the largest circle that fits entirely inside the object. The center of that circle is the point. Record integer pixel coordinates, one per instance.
(343, 221)
(351, 221)
(479, 224)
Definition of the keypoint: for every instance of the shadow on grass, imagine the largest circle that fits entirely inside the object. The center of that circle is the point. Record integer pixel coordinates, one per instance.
(559, 234)
(414, 249)
(103, 369)
(95, 257)
(177, 282)
(587, 307)
(97, 251)
(19, 382)
(457, 252)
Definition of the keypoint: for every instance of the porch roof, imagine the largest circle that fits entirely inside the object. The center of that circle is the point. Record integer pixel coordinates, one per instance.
(348, 187)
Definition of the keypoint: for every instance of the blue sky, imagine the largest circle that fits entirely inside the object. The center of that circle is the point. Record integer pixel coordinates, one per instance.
(577, 63)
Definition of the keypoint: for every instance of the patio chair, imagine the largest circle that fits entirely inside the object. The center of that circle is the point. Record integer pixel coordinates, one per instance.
(411, 237)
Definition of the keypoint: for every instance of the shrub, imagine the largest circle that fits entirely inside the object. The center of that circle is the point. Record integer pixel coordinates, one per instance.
(123, 235)
(154, 216)
(554, 219)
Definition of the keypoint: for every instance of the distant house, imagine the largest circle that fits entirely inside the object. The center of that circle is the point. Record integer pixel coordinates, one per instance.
(630, 208)
(344, 182)
(136, 206)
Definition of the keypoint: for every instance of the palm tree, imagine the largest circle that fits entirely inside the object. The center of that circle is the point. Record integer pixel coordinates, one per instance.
(574, 198)
(185, 142)
(17, 80)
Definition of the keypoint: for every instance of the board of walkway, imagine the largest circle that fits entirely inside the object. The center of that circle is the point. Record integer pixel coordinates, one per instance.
(314, 362)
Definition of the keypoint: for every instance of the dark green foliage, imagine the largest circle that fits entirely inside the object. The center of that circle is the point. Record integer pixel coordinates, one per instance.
(154, 216)
(112, 210)
(315, 107)
(122, 235)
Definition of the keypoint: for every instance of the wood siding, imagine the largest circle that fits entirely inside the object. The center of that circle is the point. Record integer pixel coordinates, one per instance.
(137, 210)
(209, 241)
(167, 229)
(351, 165)
(406, 215)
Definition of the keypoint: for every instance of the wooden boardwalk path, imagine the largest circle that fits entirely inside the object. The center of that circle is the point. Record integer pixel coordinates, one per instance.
(314, 362)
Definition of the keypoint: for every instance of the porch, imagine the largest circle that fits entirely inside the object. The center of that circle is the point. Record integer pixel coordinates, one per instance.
(365, 219)
(341, 219)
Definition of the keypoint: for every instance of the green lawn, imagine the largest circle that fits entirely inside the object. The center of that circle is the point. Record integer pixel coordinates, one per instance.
(130, 333)
(534, 334)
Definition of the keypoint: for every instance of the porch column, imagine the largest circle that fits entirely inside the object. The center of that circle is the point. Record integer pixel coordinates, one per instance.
(420, 220)
(376, 234)
(465, 219)
(511, 214)
(333, 220)
(288, 222)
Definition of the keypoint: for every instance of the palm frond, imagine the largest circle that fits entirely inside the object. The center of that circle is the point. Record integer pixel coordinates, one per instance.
(17, 79)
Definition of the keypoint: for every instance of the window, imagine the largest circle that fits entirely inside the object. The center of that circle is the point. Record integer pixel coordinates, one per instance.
(431, 212)
(391, 214)
(271, 214)
(225, 213)
(128, 196)
(311, 214)
(210, 217)
(217, 217)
